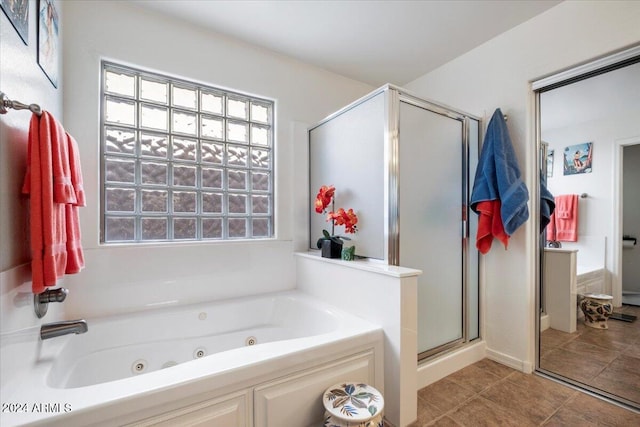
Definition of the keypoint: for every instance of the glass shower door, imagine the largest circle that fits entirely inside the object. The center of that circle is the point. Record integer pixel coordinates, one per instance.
(433, 187)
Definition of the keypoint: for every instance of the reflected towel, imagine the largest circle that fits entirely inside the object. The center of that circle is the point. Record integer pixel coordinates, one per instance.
(566, 218)
(547, 207)
(551, 228)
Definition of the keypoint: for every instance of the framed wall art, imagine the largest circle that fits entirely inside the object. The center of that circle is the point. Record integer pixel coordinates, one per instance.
(18, 13)
(48, 31)
(578, 158)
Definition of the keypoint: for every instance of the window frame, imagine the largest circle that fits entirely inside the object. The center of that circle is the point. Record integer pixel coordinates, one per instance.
(249, 161)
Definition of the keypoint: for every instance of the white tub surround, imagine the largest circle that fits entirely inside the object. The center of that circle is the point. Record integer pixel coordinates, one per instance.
(591, 281)
(16, 301)
(591, 264)
(156, 275)
(385, 295)
(195, 364)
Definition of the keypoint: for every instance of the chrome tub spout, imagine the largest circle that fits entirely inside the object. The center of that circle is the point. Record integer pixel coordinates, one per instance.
(57, 329)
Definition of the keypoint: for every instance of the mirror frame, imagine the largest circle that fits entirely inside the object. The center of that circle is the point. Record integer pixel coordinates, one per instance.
(622, 58)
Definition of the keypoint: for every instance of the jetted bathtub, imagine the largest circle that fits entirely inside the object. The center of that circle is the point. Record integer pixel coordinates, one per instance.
(254, 361)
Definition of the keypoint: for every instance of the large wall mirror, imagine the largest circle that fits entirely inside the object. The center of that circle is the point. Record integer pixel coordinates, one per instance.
(589, 140)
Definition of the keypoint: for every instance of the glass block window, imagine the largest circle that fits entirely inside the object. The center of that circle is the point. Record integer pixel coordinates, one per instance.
(183, 161)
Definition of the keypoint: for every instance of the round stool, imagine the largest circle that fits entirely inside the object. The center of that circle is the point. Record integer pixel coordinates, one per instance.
(352, 405)
(596, 308)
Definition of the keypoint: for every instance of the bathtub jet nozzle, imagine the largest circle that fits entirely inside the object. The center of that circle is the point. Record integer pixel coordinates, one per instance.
(57, 329)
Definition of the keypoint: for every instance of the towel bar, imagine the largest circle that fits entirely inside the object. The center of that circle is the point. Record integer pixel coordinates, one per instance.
(5, 103)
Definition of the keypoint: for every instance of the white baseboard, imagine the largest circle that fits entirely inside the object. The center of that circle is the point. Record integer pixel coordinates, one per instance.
(436, 369)
(509, 361)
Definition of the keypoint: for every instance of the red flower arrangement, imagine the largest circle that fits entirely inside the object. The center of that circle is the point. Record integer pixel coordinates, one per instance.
(326, 197)
(346, 218)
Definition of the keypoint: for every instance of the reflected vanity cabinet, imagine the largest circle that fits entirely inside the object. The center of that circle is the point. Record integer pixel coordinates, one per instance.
(561, 288)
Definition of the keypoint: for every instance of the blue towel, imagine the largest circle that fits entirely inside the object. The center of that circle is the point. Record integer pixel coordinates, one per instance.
(498, 176)
(547, 204)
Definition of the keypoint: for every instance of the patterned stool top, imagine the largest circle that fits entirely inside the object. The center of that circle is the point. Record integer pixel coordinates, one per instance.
(353, 402)
(598, 296)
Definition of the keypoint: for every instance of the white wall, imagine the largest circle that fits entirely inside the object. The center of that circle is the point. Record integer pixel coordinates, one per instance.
(185, 273)
(631, 218)
(126, 277)
(23, 80)
(497, 74)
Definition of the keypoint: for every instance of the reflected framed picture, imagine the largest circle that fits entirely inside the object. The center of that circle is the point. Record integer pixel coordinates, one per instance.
(550, 155)
(18, 13)
(48, 31)
(578, 158)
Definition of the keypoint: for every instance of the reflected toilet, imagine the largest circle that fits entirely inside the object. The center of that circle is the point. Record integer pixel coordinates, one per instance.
(596, 308)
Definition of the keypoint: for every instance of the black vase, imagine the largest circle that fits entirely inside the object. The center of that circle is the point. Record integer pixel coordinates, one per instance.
(331, 249)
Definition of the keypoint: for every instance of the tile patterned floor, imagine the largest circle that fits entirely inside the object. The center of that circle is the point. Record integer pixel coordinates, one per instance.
(490, 394)
(606, 359)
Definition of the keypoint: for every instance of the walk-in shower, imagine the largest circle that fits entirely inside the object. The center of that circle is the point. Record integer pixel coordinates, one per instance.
(405, 165)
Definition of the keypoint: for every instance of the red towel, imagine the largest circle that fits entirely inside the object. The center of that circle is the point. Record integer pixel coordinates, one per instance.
(566, 218)
(490, 226)
(49, 183)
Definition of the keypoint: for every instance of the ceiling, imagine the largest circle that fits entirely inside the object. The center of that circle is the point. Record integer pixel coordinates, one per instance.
(612, 96)
(375, 42)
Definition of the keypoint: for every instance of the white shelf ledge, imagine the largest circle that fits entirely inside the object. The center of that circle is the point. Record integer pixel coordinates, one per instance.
(365, 264)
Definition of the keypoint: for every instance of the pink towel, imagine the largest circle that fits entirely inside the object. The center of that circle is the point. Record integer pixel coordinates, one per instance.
(49, 183)
(75, 256)
(566, 218)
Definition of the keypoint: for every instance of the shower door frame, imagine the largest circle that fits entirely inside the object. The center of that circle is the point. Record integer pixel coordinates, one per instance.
(395, 97)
